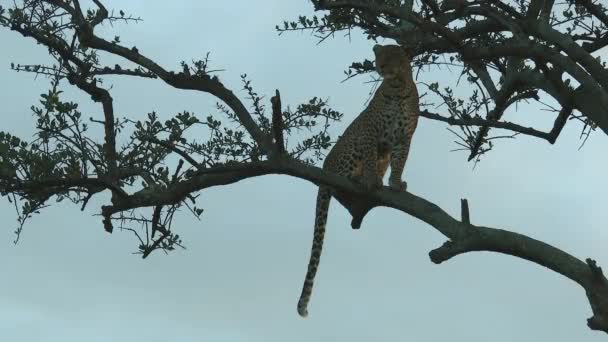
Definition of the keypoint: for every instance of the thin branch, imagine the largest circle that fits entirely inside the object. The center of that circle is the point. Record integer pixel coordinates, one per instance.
(203, 83)
(483, 122)
(277, 122)
(464, 211)
(597, 10)
(176, 150)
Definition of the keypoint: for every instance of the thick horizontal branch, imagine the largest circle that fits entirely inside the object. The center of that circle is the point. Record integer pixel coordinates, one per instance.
(464, 237)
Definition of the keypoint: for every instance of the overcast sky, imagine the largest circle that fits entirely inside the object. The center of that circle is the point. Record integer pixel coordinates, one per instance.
(240, 278)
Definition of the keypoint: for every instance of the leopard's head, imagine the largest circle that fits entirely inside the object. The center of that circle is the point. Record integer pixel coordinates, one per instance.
(393, 61)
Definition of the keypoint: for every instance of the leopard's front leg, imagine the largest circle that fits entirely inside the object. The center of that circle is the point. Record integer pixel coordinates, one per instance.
(398, 158)
(370, 178)
(401, 150)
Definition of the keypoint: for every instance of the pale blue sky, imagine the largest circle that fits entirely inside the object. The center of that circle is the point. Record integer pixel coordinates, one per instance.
(240, 277)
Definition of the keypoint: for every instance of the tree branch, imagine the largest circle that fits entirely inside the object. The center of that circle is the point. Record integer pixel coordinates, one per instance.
(102, 96)
(203, 83)
(464, 237)
(277, 122)
(436, 37)
(597, 10)
(483, 122)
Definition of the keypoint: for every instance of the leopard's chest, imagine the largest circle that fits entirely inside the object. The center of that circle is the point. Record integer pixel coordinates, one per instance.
(392, 118)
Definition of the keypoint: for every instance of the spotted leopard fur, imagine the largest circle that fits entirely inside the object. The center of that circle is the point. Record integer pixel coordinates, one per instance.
(380, 136)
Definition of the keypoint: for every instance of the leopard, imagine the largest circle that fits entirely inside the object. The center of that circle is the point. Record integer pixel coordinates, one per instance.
(379, 137)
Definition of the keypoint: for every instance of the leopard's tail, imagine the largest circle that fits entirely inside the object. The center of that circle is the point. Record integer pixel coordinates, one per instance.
(323, 199)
